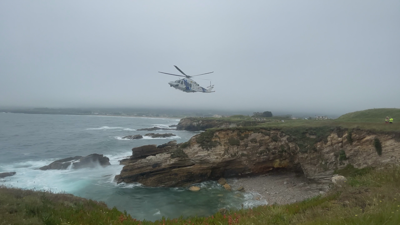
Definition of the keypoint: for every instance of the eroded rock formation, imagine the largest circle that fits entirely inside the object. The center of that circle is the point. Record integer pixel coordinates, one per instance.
(78, 162)
(213, 154)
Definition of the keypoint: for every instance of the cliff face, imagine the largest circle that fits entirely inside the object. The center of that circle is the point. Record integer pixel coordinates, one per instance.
(240, 152)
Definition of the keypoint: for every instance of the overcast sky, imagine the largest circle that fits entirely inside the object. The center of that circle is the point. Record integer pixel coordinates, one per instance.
(308, 56)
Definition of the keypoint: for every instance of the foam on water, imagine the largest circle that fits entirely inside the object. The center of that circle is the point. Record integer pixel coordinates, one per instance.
(105, 128)
(120, 138)
(150, 138)
(111, 128)
(164, 126)
(253, 199)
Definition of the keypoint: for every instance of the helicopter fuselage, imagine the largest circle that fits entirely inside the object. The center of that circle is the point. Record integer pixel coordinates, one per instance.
(188, 85)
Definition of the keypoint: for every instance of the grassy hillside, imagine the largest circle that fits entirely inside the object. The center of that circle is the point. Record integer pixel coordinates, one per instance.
(371, 119)
(371, 115)
(368, 197)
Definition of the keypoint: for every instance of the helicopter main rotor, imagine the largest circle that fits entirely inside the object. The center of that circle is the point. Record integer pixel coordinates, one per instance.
(184, 74)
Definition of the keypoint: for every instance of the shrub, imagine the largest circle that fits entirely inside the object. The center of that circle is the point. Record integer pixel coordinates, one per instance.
(205, 139)
(275, 138)
(233, 141)
(349, 137)
(178, 153)
(184, 145)
(253, 140)
(378, 146)
(342, 155)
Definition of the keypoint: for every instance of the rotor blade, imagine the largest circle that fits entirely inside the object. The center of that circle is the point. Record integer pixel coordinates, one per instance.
(202, 74)
(177, 75)
(180, 70)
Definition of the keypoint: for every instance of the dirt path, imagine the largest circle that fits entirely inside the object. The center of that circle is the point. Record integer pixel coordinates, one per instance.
(279, 188)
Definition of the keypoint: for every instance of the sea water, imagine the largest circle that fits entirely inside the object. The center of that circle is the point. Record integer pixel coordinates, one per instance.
(30, 141)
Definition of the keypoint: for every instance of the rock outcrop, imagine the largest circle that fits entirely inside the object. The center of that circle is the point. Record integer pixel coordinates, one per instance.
(157, 135)
(213, 154)
(152, 135)
(133, 137)
(78, 162)
(143, 152)
(7, 174)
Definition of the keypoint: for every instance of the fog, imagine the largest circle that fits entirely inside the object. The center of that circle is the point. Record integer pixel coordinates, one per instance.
(303, 56)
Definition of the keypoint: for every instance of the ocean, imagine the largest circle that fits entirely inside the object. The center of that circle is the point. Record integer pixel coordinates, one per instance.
(30, 141)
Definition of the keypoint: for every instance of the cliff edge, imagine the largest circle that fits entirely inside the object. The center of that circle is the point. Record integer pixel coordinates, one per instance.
(234, 152)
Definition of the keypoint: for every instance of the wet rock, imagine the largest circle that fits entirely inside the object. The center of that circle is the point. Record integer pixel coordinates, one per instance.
(222, 181)
(78, 162)
(91, 161)
(157, 135)
(7, 174)
(227, 187)
(241, 188)
(137, 136)
(61, 164)
(194, 188)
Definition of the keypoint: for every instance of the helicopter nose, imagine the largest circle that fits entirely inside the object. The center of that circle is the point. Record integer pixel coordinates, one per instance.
(172, 84)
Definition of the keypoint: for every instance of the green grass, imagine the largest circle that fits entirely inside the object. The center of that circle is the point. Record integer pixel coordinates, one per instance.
(369, 197)
(371, 115)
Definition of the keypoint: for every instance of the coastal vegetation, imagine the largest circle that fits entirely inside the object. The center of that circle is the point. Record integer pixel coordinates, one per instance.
(371, 119)
(370, 196)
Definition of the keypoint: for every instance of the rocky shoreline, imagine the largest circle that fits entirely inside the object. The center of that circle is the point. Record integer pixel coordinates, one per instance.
(241, 152)
(279, 188)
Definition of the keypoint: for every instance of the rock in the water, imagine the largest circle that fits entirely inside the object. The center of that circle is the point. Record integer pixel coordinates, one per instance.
(78, 162)
(91, 161)
(7, 174)
(222, 181)
(194, 188)
(61, 164)
(227, 187)
(157, 135)
(241, 188)
(338, 180)
(137, 136)
(154, 128)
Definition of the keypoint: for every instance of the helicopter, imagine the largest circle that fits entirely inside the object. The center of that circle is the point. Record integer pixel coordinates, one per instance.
(188, 85)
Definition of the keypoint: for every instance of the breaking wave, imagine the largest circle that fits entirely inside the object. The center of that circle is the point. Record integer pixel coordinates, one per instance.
(111, 128)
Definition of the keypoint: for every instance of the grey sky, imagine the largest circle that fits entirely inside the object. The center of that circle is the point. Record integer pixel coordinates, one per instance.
(322, 56)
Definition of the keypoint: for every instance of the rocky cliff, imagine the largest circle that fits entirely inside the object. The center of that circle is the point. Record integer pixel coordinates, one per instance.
(235, 152)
